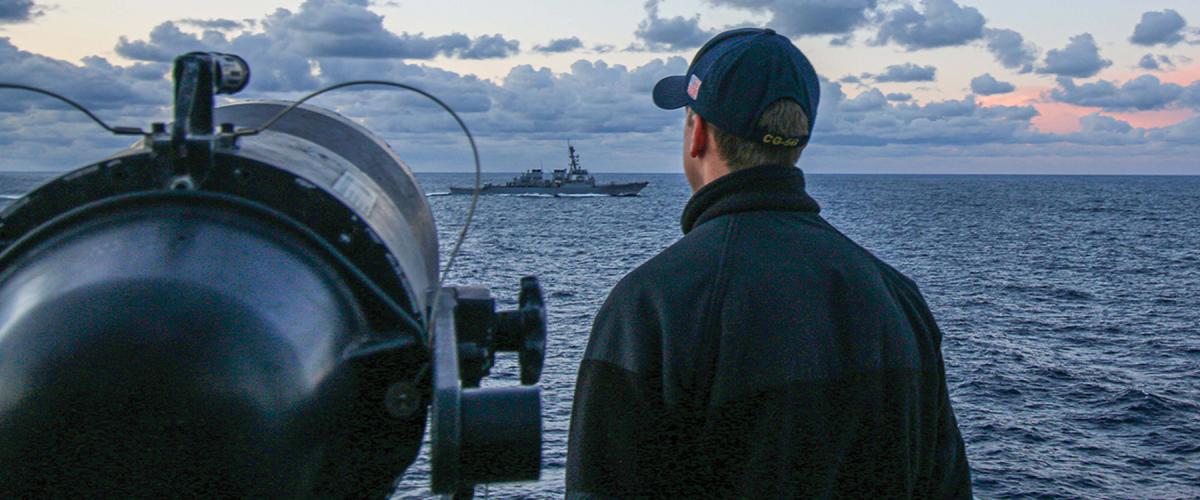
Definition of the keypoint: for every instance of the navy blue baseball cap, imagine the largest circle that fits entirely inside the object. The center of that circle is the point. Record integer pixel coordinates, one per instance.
(737, 75)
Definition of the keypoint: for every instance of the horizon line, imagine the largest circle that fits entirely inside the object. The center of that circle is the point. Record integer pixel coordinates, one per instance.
(806, 172)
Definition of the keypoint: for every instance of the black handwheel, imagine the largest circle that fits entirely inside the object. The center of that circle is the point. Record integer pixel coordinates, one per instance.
(532, 353)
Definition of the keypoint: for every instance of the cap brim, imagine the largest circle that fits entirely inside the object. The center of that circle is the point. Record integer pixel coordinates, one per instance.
(671, 92)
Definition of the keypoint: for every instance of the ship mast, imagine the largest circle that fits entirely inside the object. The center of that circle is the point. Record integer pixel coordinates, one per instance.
(573, 165)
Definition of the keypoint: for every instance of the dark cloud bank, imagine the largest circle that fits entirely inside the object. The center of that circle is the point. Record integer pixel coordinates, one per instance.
(810, 17)
(907, 72)
(669, 34)
(1165, 28)
(1079, 59)
(929, 24)
(942, 23)
(1144, 93)
(320, 28)
(560, 45)
(1152, 62)
(986, 84)
(16, 11)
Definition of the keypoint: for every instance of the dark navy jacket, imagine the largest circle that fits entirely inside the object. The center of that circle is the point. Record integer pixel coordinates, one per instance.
(764, 355)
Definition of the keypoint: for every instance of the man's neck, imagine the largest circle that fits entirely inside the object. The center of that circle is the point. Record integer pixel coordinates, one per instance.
(707, 172)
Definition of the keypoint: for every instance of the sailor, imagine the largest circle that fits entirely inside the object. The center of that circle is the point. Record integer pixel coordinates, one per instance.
(764, 354)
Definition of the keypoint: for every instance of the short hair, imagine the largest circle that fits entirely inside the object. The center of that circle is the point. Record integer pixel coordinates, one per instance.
(784, 117)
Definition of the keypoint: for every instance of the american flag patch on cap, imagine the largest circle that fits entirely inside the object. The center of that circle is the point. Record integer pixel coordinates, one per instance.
(693, 89)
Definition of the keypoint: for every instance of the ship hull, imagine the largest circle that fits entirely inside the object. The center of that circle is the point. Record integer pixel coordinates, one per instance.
(623, 189)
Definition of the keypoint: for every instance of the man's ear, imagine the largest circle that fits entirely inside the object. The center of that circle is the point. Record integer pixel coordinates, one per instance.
(699, 136)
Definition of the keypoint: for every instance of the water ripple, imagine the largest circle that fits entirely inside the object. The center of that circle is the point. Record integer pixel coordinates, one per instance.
(1070, 308)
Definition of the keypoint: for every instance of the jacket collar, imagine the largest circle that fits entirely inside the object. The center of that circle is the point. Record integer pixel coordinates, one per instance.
(762, 188)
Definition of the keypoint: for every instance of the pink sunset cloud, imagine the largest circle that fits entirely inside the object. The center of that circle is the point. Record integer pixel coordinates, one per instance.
(1053, 117)
(1063, 118)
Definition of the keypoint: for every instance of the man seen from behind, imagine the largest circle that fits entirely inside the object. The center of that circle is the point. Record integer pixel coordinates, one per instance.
(764, 354)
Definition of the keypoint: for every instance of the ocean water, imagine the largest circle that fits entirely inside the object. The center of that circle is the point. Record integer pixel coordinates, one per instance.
(1070, 308)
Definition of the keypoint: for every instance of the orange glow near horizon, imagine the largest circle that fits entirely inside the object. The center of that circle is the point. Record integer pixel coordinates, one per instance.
(1063, 118)
(1053, 117)
(1020, 97)
(1154, 119)
(1059, 118)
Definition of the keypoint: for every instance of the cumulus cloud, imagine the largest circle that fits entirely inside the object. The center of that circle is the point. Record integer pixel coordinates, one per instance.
(1100, 129)
(1152, 62)
(1186, 132)
(95, 83)
(322, 28)
(592, 100)
(15, 11)
(148, 71)
(1149, 62)
(1190, 97)
(941, 23)
(274, 56)
(38, 132)
(842, 40)
(594, 97)
(347, 28)
(531, 108)
(489, 47)
(167, 41)
(869, 120)
(675, 33)
(866, 120)
(1079, 59)
(907, 72)
(867, 101)
(1010, 49)
(986, 84)
(1142, 94)
(1018, 113)
(1159, 27)
(810, 17)
(560, 45)
(217, 24)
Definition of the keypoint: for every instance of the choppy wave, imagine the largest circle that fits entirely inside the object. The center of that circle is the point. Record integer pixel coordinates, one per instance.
(1071, 335)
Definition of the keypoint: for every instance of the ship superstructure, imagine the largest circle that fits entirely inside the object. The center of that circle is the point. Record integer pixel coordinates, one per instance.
(571, 181)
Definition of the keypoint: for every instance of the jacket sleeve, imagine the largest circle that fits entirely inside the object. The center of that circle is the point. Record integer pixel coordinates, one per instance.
(622, 436)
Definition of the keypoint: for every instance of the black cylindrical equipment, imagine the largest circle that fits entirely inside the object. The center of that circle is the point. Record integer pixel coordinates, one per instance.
(162, 340)
(245, 316)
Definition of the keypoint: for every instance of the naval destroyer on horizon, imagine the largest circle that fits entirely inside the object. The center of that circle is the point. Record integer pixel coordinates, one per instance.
(572, 181)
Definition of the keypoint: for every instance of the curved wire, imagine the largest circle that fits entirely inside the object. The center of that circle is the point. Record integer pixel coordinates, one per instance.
(248, 132)
(114, 130)
(462, 235)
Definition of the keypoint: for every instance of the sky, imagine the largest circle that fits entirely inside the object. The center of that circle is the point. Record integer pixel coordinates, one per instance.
(908, 86)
